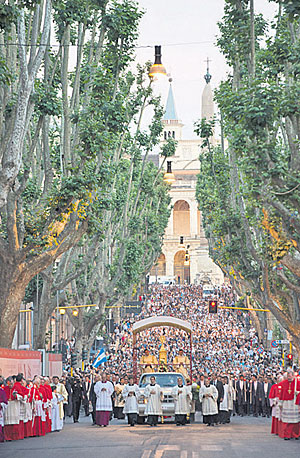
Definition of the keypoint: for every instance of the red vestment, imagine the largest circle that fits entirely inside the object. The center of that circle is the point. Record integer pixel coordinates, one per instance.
(11, 422)
(290, 419)
(43, 393)
(19, 389)
(37, 419)
(48, 392)
(28, 432)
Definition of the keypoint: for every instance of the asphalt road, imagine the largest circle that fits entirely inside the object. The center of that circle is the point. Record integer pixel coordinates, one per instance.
(243, 438)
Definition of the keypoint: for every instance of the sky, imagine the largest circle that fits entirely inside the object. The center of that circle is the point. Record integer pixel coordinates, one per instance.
(173, 24)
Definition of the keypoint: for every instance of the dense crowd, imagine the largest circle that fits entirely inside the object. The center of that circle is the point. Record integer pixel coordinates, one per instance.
(222, 343)
(230, 376)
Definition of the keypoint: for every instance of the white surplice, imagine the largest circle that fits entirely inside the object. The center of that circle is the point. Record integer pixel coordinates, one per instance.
(182, 399)
(153, 395)
(3, 407)
(56, 422)
(103, 391)
(12, 413)
(224, 404)
(208, 395)
(131, 394)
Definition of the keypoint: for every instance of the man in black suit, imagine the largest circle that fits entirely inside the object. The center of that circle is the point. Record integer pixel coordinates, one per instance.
(266, 387)
(217, 382)
(76, 397)
(255, 395)
(241, 387)
(93, 397)
(86, 388)
(69, 405)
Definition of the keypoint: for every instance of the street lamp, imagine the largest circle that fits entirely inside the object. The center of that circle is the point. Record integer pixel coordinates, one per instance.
(157, 68)
(62, 311)
(187, 257)
(169, 176)
(181, 244)
(186, 261)
(75, 312)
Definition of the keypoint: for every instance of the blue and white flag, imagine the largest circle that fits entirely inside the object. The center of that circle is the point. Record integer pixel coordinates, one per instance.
(100, 358)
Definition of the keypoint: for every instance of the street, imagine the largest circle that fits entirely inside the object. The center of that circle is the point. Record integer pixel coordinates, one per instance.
(245, 437)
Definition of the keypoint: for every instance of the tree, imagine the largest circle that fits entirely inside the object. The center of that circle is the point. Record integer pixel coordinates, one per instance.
(104, 269)
(66, 161)
(18, 74)
(248, 192)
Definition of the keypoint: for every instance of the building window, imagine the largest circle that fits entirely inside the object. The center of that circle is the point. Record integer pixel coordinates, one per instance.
(181, 272)
(181, 218)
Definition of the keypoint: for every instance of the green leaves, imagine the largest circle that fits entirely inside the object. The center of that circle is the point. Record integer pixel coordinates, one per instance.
(168, 148)
(46, 99)
(247, 193)
(5, 74)
(234, 39)
(86, 191)
(292, 8)
(204, 129)
(8, 15)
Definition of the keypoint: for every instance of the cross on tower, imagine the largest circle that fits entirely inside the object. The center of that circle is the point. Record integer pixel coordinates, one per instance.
(208, 76)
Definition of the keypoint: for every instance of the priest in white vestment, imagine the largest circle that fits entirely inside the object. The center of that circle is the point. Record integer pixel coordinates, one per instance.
(63, 398)
(56, 422)
(182, 396)
(130, 395)
(208, 395)
(103, 390)
(154, 396)
(224, 414)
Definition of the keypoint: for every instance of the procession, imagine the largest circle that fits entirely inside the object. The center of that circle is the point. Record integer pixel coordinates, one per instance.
(218, 391)
(149, 228)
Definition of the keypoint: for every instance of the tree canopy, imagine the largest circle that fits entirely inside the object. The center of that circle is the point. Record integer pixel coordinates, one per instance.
(75, 182)
(248, 191)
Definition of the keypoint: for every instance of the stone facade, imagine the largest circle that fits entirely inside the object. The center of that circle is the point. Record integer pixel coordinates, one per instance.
(185, 219)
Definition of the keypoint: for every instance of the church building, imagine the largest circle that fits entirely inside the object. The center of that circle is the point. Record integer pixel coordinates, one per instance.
(188, 262)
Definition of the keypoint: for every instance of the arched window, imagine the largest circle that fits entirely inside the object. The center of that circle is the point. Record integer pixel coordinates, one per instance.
(181, 218)
(181, 272)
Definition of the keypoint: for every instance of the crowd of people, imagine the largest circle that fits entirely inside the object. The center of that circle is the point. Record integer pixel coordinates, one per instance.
(222, 343)
(229, 375)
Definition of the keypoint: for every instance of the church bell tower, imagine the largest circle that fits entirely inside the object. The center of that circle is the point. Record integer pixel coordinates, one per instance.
(172, 125)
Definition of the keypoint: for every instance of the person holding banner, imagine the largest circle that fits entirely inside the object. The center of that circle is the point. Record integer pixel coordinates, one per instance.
(100, 359)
